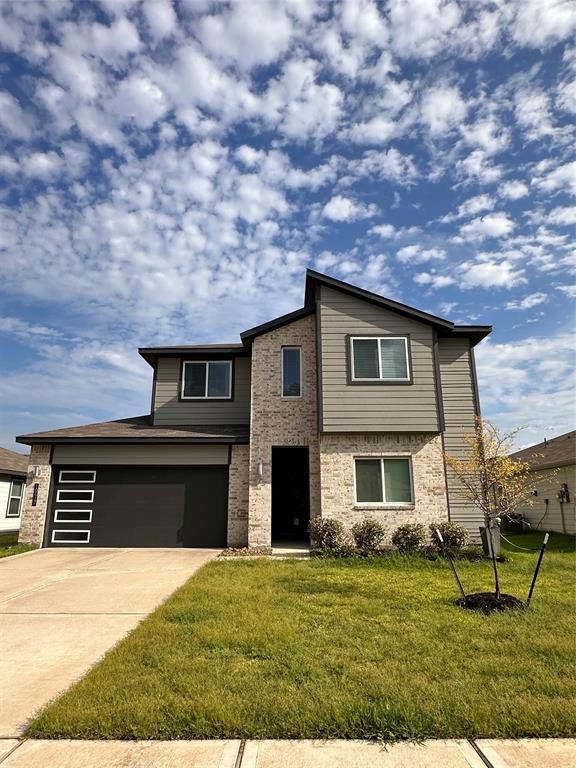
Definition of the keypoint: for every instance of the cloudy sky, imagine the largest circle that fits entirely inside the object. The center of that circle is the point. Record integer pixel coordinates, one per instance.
(169, 169)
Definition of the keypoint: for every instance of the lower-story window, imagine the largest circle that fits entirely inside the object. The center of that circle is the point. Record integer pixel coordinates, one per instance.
(383, 481)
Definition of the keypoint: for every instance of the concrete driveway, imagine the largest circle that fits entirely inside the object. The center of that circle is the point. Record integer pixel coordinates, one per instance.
(62, 609)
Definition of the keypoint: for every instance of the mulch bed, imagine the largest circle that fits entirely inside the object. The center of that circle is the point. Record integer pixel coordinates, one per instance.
(487, 602)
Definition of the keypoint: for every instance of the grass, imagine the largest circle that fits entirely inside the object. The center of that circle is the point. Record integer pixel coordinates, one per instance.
(348, 648)
(14, 549)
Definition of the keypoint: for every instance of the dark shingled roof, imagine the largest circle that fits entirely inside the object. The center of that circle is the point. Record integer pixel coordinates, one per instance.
(557, 452)
(12, 463)
(139, 430)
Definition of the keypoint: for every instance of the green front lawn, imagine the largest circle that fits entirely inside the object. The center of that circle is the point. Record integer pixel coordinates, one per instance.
(14, 549)
(351, 649)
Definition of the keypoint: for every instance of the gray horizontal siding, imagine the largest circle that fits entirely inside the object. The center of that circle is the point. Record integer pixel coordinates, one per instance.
(168, 409)
(152, 455)
(373, 408)
(459, 401)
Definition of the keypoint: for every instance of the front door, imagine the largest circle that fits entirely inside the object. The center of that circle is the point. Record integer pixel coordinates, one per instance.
(290, 493)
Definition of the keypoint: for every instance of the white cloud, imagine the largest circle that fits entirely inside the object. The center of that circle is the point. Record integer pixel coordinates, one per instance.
(528, 302)
(391, 165)
(415, 254)
(139, 98)
(513, 190)
(533, 113)
(442, 109)
(41, 165)
(340, 208)
(487, 134)
(569, 290)
(491, 225)
(420, 28)
(250, 33)
(566, 96)
(563, 177)
(161, 18)
(377, 130)
(385, 231)
(13, 118)
(541, 23)
(433, 280)
(489, 274)
(470, 207)
(477, 167)
(561, 216)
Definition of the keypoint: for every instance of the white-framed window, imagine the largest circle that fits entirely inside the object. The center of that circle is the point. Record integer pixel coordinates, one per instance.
(75, 496)
(379, 358)
(66, 536)
(291, 372)
(73, 516)
(206, 380)
(77, 476)
(383, 481)
(15, 498)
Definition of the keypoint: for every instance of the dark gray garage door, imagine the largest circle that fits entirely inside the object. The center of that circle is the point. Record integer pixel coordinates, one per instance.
(139, 507)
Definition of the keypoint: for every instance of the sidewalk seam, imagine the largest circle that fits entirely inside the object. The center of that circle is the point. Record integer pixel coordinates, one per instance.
(240, 754)
(7, 755)
(480, 754)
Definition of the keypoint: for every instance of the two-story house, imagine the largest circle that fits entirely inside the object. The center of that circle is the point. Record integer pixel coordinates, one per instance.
(341, 409)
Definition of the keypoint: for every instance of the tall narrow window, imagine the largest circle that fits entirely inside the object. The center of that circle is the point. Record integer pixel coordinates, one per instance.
(380, 358)
(207, 380)
(15, 498)
(383, 481)
(291, 372)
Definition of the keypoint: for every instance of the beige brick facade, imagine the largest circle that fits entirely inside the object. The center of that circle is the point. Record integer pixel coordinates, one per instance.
(238, 496)
(277, 421)
(34, 517)
(337, 452)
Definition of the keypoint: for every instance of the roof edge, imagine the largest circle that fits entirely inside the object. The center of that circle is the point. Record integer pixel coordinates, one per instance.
(30, 440)
(277, 322)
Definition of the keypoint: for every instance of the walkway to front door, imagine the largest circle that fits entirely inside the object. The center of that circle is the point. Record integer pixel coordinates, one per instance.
(290, 493)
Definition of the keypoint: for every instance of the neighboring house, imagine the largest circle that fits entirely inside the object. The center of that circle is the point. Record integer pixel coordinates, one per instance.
(339, 409)
(553, 465)
(13, 468)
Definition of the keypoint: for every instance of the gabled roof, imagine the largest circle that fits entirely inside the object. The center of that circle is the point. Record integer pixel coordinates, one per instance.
(139, 430)
(315, 279)
(557, 452)
(12, 463)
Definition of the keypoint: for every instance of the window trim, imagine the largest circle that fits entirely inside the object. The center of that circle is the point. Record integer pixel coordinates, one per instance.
(385, 504)
(11, 496)
(76, 472)
(183, 397)
(350, 338)
(299, 348)
(70, 541)
(75, 501)
(81, 511)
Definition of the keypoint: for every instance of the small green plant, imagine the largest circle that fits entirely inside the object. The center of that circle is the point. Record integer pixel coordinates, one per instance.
(455, 536)
(409, 538)
(326, 533)
(368, 536)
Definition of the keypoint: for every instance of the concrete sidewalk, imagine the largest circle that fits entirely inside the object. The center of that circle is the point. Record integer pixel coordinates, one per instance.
(484, 753)
(62, 609)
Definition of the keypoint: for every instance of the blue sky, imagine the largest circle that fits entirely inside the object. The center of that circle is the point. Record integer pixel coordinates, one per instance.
(169, 169)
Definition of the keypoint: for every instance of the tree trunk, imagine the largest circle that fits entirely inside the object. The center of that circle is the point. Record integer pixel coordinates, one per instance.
(494, 564)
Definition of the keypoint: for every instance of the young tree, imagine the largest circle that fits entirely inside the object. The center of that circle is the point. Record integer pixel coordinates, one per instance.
(494, 482)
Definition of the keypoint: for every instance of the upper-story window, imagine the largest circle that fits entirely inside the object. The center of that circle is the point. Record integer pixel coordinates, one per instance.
(380, 358)
(291, 372)
(206, 380)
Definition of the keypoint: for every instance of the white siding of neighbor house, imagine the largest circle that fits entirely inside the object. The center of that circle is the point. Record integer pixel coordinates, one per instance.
(559, 518)
(150, 454)
(6, 523)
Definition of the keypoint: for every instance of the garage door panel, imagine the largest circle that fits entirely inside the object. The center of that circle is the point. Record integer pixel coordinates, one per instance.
(145, 507)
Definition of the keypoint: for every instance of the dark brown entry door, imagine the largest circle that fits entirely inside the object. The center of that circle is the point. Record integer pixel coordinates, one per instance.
(290, 493)
(139, 507)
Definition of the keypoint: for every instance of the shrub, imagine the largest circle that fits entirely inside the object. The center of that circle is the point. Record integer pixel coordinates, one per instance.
(326, 533)
(455, 536)
(409, 538)
(368, 536)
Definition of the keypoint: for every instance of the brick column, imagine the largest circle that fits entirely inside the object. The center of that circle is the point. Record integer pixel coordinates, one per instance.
(238, 496)
(34, 517)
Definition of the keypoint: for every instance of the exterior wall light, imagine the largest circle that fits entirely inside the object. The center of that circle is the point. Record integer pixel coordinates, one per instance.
(260, 470)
